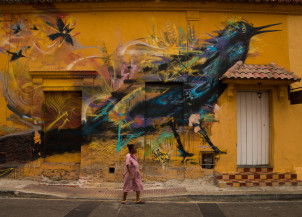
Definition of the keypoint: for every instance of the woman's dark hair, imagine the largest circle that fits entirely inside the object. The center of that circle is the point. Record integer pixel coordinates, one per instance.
(130, 147)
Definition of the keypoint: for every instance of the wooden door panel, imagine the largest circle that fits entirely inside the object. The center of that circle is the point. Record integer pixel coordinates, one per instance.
(252, 128)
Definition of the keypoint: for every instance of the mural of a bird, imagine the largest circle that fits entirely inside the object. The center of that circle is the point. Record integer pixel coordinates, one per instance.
(196, 89)
(16, 55)
(17, 28)
(34, 28)
(63, 31)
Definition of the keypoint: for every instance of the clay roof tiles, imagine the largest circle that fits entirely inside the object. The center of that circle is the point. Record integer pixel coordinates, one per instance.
(232, 1)
(248, 71)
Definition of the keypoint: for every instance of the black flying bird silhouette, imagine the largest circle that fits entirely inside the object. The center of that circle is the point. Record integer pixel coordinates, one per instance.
(17, 54)
(198, 95)
(17, 28)
(34, 28)
(63, 32)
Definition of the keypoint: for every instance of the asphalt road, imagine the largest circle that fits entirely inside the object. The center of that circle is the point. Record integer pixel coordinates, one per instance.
(78, 208)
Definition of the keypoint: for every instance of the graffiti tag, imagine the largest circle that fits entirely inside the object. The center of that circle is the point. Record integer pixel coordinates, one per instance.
(160, 156)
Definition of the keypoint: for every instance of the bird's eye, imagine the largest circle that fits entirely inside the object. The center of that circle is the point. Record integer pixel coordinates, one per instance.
(243, 29)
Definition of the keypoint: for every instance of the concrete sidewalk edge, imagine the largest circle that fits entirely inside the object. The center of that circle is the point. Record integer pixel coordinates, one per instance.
(23, 194)
(175, 198)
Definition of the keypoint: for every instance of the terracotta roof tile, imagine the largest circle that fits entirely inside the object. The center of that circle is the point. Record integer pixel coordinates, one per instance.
(249, 71)
(231, 1)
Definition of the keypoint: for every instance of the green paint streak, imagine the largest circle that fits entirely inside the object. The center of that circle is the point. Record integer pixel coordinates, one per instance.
(180, 37)
(118, 147)
(182, 31)
(127, 123)
(189, 63)
(160, 139)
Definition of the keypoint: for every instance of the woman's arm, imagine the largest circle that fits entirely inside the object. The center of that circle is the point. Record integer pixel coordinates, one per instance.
(129, 170)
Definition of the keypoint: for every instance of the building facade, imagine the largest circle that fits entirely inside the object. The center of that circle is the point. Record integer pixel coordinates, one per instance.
(198, 86)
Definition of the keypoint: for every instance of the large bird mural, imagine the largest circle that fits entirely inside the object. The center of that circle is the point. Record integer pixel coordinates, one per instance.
(156, 88)
(195, 89)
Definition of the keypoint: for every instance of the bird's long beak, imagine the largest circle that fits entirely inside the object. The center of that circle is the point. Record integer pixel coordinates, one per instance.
(257, 29)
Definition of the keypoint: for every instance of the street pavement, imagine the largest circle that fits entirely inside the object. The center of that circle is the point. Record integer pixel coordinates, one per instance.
(11, 207)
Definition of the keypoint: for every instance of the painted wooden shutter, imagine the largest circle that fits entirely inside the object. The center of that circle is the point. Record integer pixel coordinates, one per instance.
(252, 128)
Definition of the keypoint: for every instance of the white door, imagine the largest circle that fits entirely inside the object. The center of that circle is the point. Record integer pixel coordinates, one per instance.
(252, 128)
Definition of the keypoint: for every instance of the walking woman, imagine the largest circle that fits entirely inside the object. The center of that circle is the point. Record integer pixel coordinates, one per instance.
(132, 177)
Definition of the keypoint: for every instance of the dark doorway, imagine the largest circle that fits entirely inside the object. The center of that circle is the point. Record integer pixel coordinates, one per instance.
(62, 122)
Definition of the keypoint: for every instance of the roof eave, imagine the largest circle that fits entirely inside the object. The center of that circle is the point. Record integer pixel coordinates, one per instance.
(256, 81)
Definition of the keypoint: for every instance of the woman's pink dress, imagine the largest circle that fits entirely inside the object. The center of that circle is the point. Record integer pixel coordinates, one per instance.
(129, 184)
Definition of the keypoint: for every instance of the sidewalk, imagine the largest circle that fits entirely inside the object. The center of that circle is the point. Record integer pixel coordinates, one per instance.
(174, 190)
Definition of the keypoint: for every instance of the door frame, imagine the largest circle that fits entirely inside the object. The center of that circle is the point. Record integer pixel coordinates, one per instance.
(60, 81)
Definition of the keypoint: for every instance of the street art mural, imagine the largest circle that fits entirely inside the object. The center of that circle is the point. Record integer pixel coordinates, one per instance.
(161, 90)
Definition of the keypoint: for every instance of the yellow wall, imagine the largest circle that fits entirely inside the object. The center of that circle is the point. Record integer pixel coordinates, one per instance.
(99, 34)
(289, 117)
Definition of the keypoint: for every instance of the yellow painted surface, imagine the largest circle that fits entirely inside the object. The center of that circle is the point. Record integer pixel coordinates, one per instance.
(286, 118)
(99, 34)
(64, 158)
(224, 134)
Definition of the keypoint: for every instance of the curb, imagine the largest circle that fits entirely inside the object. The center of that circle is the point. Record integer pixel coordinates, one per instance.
(244, 197)
(171, 198)
(21, 194)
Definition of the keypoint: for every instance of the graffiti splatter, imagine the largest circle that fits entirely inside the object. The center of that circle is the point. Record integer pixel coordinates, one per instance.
(162, 157)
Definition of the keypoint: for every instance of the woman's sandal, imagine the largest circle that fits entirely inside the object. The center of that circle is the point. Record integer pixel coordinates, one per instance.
(140, 202)
(125, 202)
